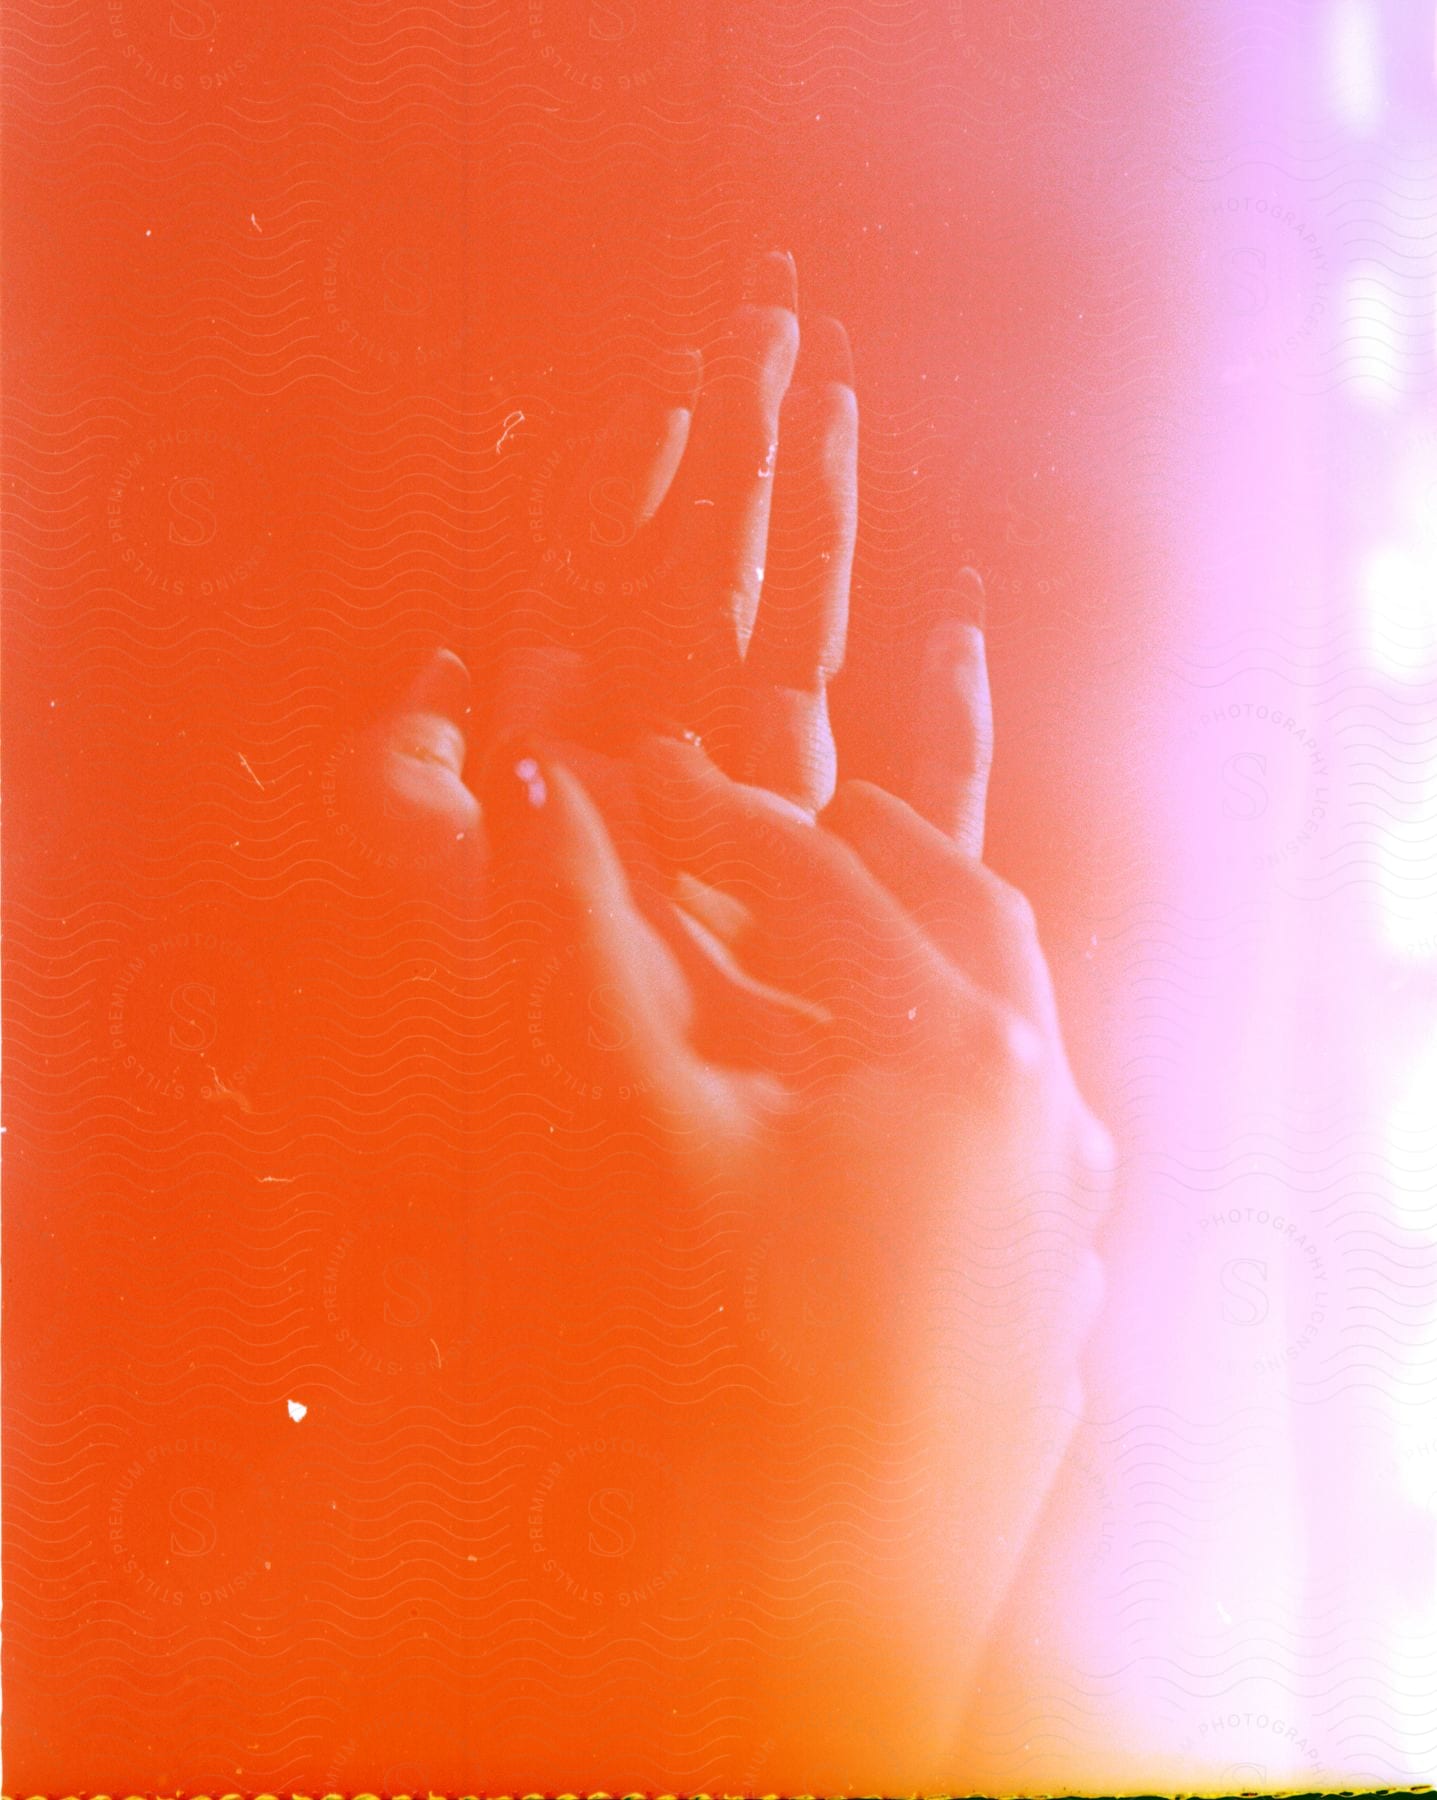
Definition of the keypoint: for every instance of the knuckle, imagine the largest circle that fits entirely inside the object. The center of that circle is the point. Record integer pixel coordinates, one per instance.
(1024, 1052)
(1092, 1166)
(1097, 1150)
(1008, 1046)
(1014, 910)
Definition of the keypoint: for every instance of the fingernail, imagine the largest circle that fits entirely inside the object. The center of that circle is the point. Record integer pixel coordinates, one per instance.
(775, 281)
(826, 354)
(681, 371)
(515, 791)
(439, 683)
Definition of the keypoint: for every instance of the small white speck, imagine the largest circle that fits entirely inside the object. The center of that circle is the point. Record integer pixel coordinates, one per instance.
(511, 422)
(255, 222)
(296, 1410)
(913, 1012)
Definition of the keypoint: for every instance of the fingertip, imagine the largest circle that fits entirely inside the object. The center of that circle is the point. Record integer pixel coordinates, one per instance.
(775, 281)
(439, 682)
(969, 598)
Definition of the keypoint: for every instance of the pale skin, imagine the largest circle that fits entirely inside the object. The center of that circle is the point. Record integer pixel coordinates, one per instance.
(838, 1014)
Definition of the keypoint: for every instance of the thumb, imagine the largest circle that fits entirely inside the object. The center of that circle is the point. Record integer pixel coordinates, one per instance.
(404, 803)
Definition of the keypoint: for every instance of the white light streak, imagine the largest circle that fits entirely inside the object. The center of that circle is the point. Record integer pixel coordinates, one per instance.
(1354, 65)
(1411, 1147)
(1399, 598)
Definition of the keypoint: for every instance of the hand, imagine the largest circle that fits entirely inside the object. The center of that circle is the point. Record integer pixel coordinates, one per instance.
(863, 1077)
(737, 521)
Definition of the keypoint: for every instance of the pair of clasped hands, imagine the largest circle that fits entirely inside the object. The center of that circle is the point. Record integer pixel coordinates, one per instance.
(837, 1016)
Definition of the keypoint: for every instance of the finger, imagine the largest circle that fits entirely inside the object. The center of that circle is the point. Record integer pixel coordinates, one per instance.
(786, 741)
(628, 472)
(952, 749)
(741, 1022)
(823, 927)
(722, 499)
(409, 766)
(439, 688)
(612, 550)
(971, 914)
(555, 850)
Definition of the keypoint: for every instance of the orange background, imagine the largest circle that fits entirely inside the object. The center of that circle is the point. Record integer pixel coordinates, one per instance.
(305, 307)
